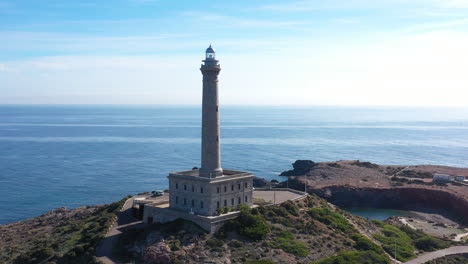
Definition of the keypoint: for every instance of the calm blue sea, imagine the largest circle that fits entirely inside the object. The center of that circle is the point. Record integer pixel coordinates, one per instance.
(53, 156)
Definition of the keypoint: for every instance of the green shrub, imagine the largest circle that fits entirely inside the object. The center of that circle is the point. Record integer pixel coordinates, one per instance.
(287, 243)
(175, 245)
(392, 235)
(355, 257)
(291, 246)
(213, 242)
(249, 225)
(335, 220)
(412, 233)
(236, 243)
(291, 208)
(428, 243)
(257, 230)
(365, 244)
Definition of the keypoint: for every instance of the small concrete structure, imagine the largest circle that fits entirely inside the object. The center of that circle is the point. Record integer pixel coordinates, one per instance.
(460, 178)
(441, 178)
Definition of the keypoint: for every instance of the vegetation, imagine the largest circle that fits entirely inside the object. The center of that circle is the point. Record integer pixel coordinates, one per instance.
(331, 218)
(365, 244)
(75, 241)
(429, 243)
(355, 257)
(287, 243)
(250, 225)
(453, 259)
(393, 236)
(423, 241)
(302, 230)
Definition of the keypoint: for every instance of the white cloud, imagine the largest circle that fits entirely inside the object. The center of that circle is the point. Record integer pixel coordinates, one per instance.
(3, 67)
(451, 3)
(223, 21)
(424, 69)
(307, 5)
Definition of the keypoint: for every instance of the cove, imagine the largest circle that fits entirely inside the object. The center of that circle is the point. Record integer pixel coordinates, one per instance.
(376, 213)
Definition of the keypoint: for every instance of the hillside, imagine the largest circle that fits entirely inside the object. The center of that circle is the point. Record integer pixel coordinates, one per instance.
(304, 231)
(59, 236)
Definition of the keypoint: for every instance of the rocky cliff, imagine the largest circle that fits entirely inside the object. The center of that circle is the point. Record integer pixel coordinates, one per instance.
(421, 199)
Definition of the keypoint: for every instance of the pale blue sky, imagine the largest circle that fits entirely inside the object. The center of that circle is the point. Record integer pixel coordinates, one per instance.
(329, 52)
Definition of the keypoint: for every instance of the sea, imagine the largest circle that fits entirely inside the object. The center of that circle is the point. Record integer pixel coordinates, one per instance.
(69, 156)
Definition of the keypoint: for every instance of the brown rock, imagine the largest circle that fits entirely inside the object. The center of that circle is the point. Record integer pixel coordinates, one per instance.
(158, 253)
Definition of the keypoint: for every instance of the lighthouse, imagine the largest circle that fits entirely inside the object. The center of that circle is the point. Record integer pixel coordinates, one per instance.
(210, 148)
(199, 194)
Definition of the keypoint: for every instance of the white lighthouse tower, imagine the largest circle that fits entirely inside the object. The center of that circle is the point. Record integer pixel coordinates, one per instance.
(210, 149)
(197, 194)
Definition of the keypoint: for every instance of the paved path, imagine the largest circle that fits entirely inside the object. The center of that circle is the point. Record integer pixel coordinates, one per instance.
(124, 220)
(438, 254)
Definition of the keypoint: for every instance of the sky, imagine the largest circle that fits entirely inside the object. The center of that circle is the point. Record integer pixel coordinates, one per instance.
(272, 52)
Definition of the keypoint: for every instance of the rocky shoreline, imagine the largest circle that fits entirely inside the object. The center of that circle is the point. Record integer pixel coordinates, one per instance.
(364, 184)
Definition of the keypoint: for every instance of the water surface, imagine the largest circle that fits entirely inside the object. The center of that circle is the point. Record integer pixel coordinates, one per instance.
(53, 156)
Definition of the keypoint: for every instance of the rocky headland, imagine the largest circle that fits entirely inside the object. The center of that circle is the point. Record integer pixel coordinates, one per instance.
(364, 184)
(310, 230)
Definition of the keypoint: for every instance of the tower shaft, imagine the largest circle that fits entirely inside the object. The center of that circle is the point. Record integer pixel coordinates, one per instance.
(211, 153)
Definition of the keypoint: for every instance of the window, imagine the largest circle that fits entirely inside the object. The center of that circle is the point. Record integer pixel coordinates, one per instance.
(185, 201)
(193, 188)
(232, 187)
(217, 189)
(177, 186)
(185, 187)
(225, 202)
(193, 203)
(245, 185)
(232, 201)
(201, 189)
(238, 186)
(239, 200)
(177, 199)
(246, 198)
(217, 204)
(225, 189)
(201, 204)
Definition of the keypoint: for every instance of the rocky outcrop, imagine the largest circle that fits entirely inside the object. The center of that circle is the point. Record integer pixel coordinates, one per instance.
(300, 167)
(429, 200)
(260, 182)
(159, 253)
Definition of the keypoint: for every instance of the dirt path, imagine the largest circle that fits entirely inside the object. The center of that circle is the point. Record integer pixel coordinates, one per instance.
(124, 220)
(460, 236)
(438, 254)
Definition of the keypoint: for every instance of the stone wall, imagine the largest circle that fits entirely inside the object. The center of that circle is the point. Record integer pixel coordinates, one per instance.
(163, 215)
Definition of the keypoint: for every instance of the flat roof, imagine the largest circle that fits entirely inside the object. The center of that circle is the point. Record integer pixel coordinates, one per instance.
(195, 175)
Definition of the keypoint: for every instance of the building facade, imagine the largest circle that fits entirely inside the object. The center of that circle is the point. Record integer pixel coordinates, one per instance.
(203, 196)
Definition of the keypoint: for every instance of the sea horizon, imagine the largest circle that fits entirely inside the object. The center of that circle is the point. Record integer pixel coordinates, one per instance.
(71, 156)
